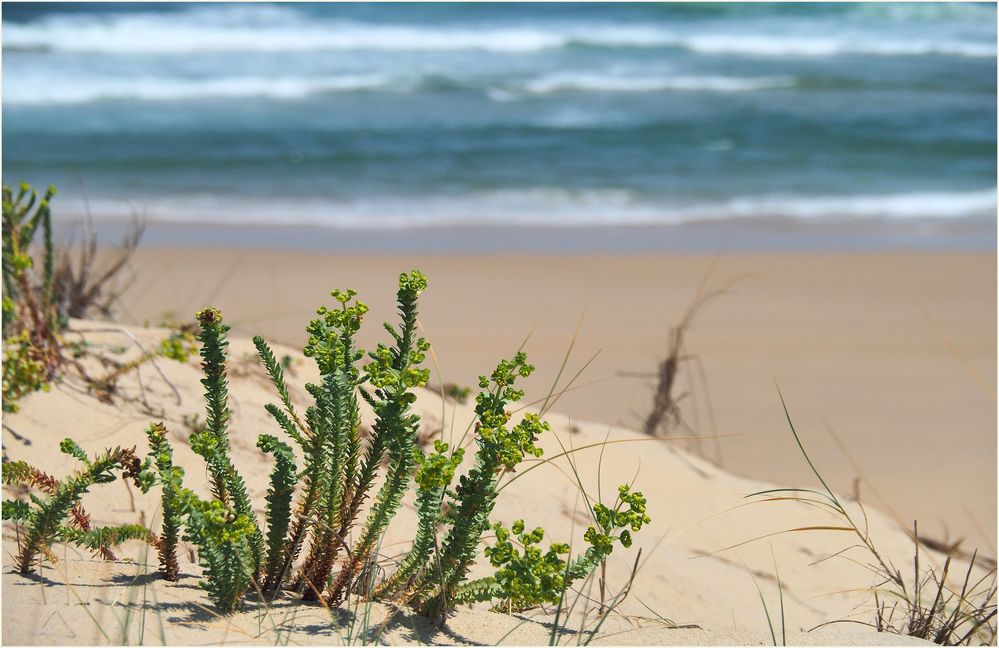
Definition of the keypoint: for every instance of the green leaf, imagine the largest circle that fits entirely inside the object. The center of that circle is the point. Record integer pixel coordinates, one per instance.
(16, 510)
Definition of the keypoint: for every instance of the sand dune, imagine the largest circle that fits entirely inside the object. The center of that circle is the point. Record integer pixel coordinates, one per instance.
(685, 575)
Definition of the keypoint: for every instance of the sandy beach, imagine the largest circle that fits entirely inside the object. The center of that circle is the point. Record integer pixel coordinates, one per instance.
(749, 247)
(894, 351)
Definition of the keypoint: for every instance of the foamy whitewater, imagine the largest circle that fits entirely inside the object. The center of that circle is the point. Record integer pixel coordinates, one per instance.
(378, 116)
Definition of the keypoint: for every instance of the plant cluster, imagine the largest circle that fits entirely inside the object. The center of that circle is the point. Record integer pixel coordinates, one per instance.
(527, 577)
(313, 541)
(31, 321)
(340, 471)
(41, 293)
(338, 475)
(500, 447)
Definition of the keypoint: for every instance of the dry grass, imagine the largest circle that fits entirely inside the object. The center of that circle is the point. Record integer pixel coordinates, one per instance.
(88, 280)
(664, 418)
(928, 606)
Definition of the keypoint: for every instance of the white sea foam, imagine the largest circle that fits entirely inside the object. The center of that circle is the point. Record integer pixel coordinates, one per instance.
(590, 82)
(272, 29)
(818, 46)
(215, 30)
(554, 207)
(54, 88)
(917, 205)
(38, 90)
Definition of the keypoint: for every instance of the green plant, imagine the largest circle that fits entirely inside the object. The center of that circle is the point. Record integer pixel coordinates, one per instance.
(292, 424)
(393, 373)
(225, 549)
(522, 579)
(433, 477)
(224, 528)
(41, 294)
(31, 322)
(224, 538)
(337, 480)
(279, 496)
(45, 518)
(339, 474)
(26, 476)
(500, 448)
(529, 577)
(212, 443)
(611, 524)
(171, 480)
(230, 545)
(24, 371)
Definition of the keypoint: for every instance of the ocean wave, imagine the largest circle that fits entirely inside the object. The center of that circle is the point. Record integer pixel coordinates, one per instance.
(212, 30)
(811, 46)
(277, 29)
(589, 82)
(554, 207)
(22, 90)
(906, 206)
(42, 91)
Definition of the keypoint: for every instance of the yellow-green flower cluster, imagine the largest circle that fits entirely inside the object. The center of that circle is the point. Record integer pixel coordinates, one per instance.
(219, 522)
(383, 375)
(437, 469)
(529, 577)
(411, 284)
(506, 372)
(608, 520)
(204, 443)
(329, 333)
(509, 445)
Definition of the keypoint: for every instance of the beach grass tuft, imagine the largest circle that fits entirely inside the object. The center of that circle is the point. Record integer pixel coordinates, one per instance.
(926, 605)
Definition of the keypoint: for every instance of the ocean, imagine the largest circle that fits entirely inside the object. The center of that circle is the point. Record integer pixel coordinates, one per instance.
(401, 116)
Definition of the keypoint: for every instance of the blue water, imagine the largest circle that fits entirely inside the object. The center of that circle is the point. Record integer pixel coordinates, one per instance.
(378, 116)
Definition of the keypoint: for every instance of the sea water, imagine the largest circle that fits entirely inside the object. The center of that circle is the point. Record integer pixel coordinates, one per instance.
(381, 117)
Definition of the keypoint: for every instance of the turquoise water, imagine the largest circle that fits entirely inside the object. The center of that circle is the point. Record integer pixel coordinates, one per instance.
(389, 116)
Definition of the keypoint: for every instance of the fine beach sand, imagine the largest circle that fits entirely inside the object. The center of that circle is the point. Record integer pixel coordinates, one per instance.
(895, 351)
